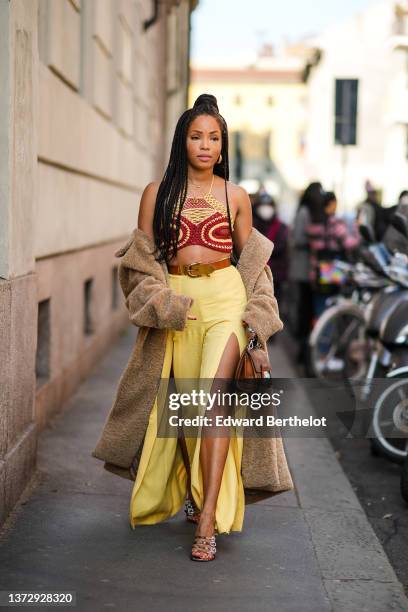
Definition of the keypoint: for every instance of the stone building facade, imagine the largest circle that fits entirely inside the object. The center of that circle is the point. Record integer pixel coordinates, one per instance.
(91, 92)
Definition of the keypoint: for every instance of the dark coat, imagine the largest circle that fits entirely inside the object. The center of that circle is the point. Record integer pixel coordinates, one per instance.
(279, 260)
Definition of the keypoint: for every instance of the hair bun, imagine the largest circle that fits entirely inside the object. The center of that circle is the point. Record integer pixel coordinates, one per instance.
(206, 100)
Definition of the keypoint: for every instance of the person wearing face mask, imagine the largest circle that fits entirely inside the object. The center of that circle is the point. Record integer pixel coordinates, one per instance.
(267, 221)
(394, 239)
(263, 211)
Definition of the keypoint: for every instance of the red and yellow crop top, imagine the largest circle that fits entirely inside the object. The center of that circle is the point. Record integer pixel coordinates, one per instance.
(204, 222)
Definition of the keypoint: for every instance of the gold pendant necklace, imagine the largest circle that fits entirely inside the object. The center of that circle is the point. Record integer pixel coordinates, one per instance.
(195, 198)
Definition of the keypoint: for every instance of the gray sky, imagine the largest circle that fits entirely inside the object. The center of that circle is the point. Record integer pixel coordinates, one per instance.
(231, 30)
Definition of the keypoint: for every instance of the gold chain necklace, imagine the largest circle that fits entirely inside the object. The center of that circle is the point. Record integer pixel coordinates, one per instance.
(195, 198)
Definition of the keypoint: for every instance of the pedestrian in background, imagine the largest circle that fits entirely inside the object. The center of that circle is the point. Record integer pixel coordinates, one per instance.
(263, 211)
(394, 239)
(311, 202)
(329, 240)
(372, 215)
(266, 220)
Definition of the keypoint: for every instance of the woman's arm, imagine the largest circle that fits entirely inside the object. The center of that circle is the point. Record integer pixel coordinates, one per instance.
(261, 312)
(146, 208)
(243, 218)
(150, 302)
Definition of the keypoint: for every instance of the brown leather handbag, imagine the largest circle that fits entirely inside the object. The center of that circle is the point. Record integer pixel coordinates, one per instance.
(254, 370)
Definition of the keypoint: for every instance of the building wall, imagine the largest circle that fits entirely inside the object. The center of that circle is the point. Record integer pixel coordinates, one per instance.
(93, 97)
(369, 48)
(18, 306)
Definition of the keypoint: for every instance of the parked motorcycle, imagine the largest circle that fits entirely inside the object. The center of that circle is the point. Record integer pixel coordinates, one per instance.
(387, 324)
(339, 347)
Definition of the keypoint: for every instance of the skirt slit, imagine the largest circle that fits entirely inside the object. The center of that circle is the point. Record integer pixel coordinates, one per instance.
(194, 354)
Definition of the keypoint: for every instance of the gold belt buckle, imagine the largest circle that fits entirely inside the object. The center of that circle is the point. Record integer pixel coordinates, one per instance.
(200, 267)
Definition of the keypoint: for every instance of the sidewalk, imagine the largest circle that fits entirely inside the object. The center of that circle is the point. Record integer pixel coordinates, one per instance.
(308, 550)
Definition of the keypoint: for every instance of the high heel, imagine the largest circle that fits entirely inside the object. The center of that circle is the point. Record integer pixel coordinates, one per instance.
(192, 512)
(204, 548)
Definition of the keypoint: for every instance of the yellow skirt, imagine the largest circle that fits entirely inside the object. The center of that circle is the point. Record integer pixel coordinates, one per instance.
(195, 352)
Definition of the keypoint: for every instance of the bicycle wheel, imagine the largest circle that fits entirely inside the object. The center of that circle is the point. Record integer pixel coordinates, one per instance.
(390, 420)
(338, 345)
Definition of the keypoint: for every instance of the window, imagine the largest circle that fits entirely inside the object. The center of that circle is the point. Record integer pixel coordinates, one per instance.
(345, 128)
(401, 22)
(88, 322)
(42, 358)
(406, 67)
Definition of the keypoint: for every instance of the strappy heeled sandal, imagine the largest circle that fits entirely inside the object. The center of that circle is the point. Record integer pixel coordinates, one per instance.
(192, 512)
(204, 548)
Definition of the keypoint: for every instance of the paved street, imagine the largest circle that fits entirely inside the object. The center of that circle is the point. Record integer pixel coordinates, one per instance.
(311, 549)
(376, 482)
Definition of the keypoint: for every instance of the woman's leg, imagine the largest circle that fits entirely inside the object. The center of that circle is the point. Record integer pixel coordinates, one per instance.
(214, 447)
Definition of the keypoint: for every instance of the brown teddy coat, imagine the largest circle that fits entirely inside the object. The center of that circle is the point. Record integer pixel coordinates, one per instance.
(154, 307)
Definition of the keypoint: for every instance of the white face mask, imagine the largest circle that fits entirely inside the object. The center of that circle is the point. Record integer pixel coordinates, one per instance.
(265, 211)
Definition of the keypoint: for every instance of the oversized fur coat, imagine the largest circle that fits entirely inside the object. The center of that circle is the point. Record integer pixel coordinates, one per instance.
(154, 307)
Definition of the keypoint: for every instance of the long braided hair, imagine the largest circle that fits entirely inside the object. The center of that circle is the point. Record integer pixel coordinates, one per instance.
(173, 187)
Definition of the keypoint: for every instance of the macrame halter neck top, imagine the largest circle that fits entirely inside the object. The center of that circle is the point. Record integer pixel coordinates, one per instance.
(204, 222)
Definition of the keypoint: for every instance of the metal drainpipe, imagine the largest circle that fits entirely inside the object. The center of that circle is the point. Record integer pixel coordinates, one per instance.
(190, 9)
(149, 22)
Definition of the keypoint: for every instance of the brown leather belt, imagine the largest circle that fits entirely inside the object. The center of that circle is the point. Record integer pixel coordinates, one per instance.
(198, 268)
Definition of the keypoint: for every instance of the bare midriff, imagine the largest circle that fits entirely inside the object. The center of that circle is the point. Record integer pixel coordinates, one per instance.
(195, 253)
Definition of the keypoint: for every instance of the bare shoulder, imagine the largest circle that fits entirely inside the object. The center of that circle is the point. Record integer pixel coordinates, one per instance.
(239, 195)
(150, 191)
(236, 191)
(147, 206)
(149, 195)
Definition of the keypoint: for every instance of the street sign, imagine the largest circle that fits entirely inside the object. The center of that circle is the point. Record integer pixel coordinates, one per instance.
(345, 120)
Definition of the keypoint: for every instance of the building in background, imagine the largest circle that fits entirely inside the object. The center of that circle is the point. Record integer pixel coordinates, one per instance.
(91, 92)
(264, 107)
(370, 48)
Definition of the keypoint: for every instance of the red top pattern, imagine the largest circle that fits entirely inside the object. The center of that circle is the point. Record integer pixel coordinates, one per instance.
(204, 221)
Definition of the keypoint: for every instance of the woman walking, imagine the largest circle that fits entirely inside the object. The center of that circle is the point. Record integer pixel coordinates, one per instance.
(196, 309)
(310, 205)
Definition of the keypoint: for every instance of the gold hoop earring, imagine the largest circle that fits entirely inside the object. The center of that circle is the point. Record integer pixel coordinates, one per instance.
(219, 160)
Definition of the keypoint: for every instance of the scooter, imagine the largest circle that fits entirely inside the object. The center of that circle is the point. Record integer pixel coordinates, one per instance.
(338, 344)
(379, 308)
(389, 321)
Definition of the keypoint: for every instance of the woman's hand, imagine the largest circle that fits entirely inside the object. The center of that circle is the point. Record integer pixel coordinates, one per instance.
(248, 330)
